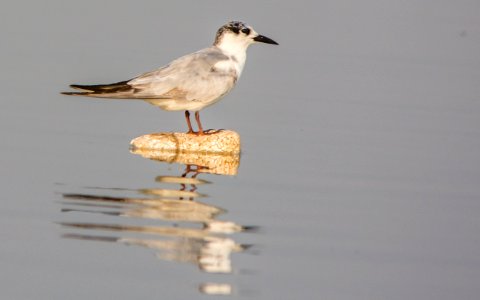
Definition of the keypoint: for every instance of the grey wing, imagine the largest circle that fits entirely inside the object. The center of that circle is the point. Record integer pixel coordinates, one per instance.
(190, 78)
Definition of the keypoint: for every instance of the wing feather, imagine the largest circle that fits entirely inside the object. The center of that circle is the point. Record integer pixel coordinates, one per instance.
(190, 82)
(191, 78)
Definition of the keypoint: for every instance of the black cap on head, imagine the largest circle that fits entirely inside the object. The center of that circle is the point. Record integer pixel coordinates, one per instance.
(238, 27)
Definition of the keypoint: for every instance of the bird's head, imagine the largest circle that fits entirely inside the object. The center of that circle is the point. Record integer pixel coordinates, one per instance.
(239, 35)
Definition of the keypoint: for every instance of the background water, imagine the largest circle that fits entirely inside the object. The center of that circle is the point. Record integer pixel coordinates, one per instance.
(359, 173)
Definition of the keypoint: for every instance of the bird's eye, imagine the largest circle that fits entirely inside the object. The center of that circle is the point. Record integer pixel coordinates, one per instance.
(246, 31)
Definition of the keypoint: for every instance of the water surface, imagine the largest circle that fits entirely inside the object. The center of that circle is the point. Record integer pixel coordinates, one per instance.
(359, 171)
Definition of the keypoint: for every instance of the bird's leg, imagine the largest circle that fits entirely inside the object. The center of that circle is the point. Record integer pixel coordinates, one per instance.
(187, 117)
(200, 128)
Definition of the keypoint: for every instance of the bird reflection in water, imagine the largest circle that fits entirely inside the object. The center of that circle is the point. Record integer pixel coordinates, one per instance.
(189, 231)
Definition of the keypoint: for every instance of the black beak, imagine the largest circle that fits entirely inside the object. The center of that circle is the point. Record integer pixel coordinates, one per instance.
(264, 39)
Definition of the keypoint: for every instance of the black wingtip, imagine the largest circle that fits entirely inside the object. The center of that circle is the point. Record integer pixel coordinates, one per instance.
(75, 93)
(82, 87)
(77, 87)
(116, 87)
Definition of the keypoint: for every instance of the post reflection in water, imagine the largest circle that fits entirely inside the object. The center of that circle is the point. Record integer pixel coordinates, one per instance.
(188, 230)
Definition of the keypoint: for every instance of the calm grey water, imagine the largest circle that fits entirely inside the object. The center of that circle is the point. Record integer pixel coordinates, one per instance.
(358, 179)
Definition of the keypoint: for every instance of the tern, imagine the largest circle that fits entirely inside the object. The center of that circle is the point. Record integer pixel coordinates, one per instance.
(191, 82)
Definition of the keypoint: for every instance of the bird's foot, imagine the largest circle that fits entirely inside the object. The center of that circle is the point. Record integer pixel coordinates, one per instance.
(204, 132)
(210, 131)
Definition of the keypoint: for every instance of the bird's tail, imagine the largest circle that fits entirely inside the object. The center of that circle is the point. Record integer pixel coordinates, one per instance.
(114, 90)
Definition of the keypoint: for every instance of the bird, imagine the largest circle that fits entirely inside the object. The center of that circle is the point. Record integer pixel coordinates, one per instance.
(191, 82)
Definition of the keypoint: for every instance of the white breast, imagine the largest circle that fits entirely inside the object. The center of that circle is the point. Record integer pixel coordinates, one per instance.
(236, 50)
(227, 66)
